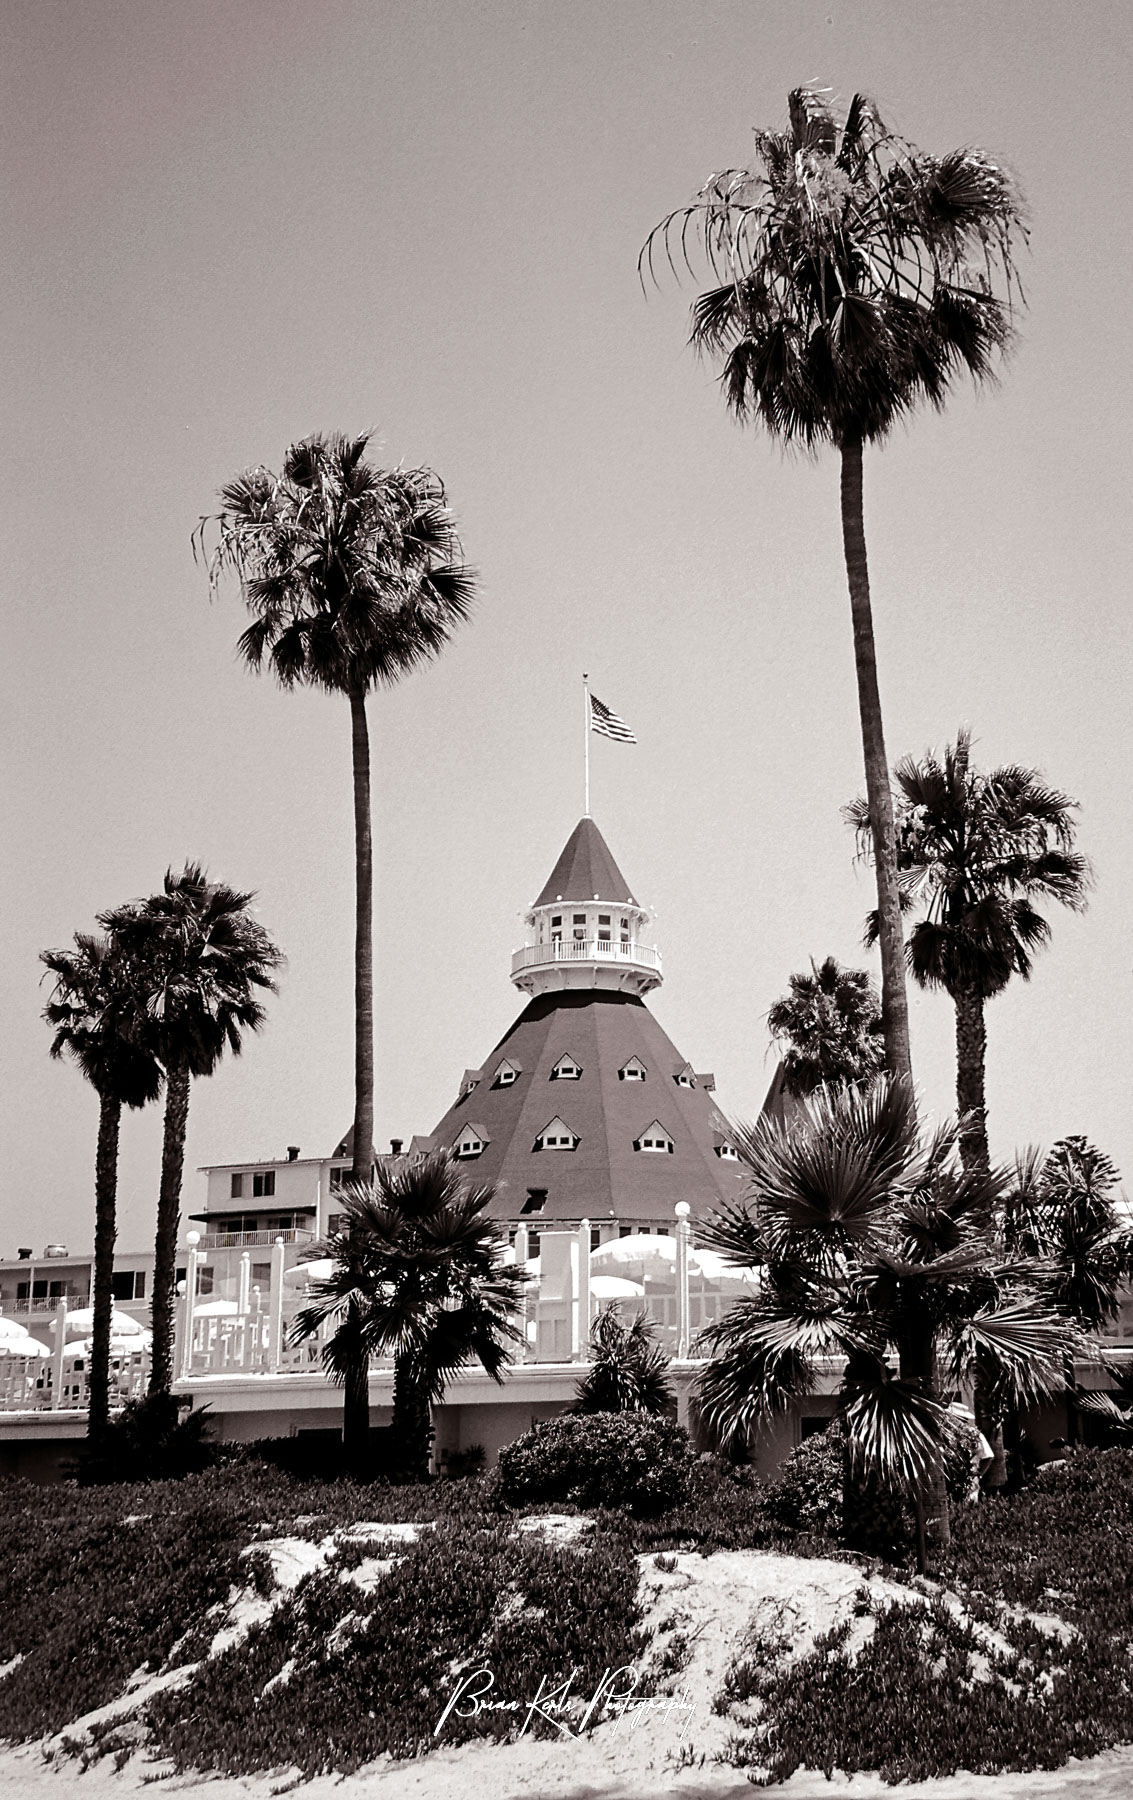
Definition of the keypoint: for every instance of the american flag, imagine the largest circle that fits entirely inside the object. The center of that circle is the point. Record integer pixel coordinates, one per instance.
(608, 724)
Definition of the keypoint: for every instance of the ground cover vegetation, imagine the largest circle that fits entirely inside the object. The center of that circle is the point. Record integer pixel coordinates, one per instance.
(856, 278)
(312, 1626)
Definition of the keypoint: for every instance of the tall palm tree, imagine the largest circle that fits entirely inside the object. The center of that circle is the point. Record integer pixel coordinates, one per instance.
(829, 1027)
(975, 851)
(1062, 1210)
(201, 959)
(93, 1012)
(871, 1251)
(855, 281)
(420, 1272)
(354, 575)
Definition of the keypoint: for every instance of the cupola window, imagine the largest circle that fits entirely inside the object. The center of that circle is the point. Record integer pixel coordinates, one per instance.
(633, 1070)
(579, 922)
(557, 1136)
(566, 1069)
(471, 1143)
(654, 1139)
(557, 929)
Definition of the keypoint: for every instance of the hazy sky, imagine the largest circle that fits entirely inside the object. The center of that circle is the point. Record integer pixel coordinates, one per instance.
(228, 225)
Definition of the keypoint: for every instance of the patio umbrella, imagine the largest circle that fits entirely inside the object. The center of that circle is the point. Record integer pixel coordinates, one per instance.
(10, 1328)
(215, 1309)
(637, 1250)
(615, 1287)
(718, 1271)
(119, 1346)
(23, 1345)
(82, 1322)
(319, 1270)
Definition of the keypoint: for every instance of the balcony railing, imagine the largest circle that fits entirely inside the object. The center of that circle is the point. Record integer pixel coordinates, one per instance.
(533, 956)
(252, 1240)
(46, 1303)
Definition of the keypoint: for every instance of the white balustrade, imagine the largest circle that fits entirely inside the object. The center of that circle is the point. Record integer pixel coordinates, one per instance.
(588, 950)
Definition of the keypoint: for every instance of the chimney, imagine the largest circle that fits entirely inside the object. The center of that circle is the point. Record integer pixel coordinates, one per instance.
(395, 1146)
(293, 1153)
(24, 1255)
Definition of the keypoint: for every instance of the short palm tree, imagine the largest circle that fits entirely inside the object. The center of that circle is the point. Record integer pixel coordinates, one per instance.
(628, 1369)
(975, 851)
(93, 1012)
(1062, 1210)
(828, 1026)
(854, 281)
(422, 1274)
(201, 961)
(871, 1252)
(353, 575)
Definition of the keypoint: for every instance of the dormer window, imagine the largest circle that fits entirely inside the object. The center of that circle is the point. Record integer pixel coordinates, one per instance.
(471, 1143)
(633, 1070)
(566, 1069)
(726, 1153)
(654, 1139)
(471, 1080)
(556, 1136)
(685, 1077)
(506, 1074)
(535, 1202)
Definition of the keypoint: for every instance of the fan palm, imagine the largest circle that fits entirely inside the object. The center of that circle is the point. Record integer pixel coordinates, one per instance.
(628, 1368)
(353, 576)
(93, 1012)
(1062, 1210)
(420, 1273)
(829, 1025)
(201, 960)
(854, 281)
(975, 851)
(872, 1253)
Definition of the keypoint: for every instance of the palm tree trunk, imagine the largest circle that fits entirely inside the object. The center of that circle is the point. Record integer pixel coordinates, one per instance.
(105, 1232)
(894, 1000)
(971, 1104)
(356, 1402)
(918, 1363)
(412, 1423)
(168, 1219)
(361, 1167)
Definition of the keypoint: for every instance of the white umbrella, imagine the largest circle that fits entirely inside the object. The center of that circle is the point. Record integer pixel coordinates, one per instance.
(320, 1270)
(119, 1346)
(82, 1321)
(26, 1345)
(215, 1309)
(637, 1249)
(614, 1287)
(716, 1269)
(10, 1328)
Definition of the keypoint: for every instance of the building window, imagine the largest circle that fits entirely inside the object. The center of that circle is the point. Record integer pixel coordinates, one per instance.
(603, 937)
(625, 1231)
(263, 1184)
(566, 1069)
(282, 1222)
(236, 1191)
(532, 1244)
(535, 1202)
(633, 1070)
(624, 923)
(662, 1231)
(557, 922)
(685, 1078)
(506, 1074)
(337, 1179)
(261, 1274)
(603, 918)
(204, 1281)
(128, 1284)
(556, 1136)
(726, 1153)
(468, 1147)
(336, 1223)
(595, 1236)
(654, 1138)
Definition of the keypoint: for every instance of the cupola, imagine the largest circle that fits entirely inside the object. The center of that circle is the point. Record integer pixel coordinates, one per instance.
(585, 929)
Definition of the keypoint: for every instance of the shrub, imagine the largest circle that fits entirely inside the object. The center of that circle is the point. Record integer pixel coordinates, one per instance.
(630, 1460)
(149, 1441)
(628, 1369)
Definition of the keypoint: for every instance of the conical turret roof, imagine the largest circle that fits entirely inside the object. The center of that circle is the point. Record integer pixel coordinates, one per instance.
(586, 871)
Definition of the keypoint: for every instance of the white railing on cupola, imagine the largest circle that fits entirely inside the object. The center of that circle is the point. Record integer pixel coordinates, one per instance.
(534, 956)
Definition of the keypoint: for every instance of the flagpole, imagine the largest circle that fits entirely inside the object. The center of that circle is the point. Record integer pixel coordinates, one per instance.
(586, 742)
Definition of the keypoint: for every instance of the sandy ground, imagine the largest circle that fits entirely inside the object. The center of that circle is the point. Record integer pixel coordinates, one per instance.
(700, 1610)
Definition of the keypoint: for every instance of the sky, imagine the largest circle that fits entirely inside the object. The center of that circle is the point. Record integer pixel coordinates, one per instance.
(229, 225)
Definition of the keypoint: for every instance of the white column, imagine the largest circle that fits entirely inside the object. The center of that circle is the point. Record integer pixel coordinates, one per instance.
(192, 1238)
(244, 1288)
(60, 1352)
(682, 1210)
(582, 1296)
(277, 1304)
(526, 1310)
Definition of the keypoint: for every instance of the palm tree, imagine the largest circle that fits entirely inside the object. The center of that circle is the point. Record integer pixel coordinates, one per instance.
(201, 960)
(872, 1252)
(628, 1369)
(93, 1012)
(1061, 1210)
(354, 575)
(975, 851)
(420, 1273)
(829, 1025)
(855, 281)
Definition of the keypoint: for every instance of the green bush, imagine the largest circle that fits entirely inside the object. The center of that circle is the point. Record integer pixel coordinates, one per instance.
(629, 1460)
(149, 1440)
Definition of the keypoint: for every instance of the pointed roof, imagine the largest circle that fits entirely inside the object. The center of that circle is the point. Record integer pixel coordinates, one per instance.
(586, 871)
